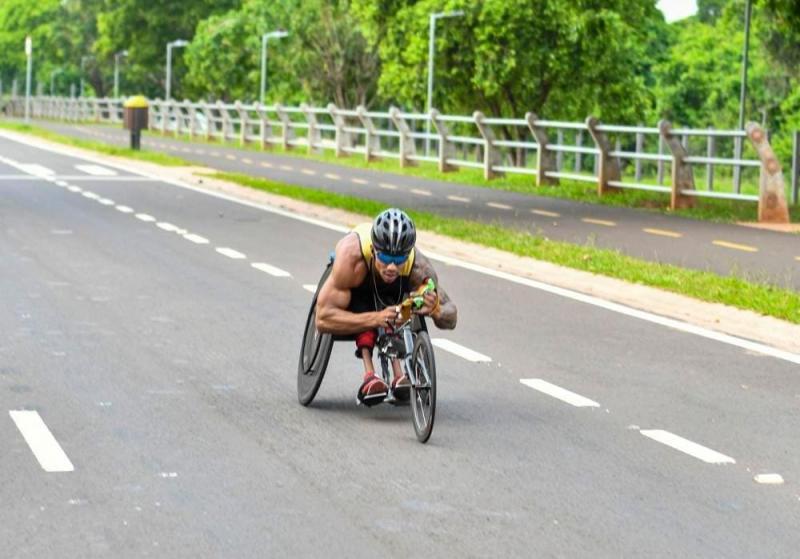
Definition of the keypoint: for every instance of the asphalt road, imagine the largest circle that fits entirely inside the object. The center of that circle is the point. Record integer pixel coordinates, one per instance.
(165, 371)
(726, 249)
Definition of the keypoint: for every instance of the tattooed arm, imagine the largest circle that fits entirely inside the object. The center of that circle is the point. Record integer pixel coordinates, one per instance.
(445, 316)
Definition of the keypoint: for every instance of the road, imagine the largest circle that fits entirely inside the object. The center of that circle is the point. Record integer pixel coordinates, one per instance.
(138, 332)
(726, 249)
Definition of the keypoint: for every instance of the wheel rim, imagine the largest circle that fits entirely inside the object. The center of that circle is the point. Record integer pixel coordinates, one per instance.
(423, 394)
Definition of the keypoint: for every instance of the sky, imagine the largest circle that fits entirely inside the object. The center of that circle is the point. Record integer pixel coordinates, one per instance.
(677, 9)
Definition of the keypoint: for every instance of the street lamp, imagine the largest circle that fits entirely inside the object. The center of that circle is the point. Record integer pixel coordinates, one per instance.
(279, 34)
(431, 51)
(116, 71)
(83, 61)
(176, 43)
(53, 75)
(29, 55)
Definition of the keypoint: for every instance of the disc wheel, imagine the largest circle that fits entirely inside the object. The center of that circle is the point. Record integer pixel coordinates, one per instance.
(423, 393)
(314, 354)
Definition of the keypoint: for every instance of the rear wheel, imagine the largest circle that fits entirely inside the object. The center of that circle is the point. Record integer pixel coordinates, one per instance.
(314, 354)
(423, 392)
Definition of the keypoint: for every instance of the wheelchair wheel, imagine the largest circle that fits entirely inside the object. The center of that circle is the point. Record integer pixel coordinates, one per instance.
(314, 353)
(423, 392)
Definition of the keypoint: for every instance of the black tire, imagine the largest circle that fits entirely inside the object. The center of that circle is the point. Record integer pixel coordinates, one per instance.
(423, 395)
(315, 352)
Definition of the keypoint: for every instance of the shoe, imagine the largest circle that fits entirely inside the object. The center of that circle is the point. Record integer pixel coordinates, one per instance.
(372, 391)
(401, 388)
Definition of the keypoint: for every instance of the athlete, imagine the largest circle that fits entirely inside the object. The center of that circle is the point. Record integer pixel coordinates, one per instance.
(374, 268)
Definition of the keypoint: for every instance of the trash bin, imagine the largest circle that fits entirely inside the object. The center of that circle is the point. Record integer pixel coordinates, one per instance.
(135, 118)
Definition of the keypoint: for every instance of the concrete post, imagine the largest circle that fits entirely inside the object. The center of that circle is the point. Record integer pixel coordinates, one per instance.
(237, 106)
(226, 121)
(179, 117)
(286, 130)
(164, 116)
(372, 142)
(710, 151)
(264, 126)
(192, 120)
(608, 166)
(314, 136)
(682, 175)
(491, 157)
(342, 137)
(559, 154)
(446, 148)
(545, 159)
(772, 206)
(795, 156)
(407, 146)
(206, 111)
(578, 155)
(638, 163)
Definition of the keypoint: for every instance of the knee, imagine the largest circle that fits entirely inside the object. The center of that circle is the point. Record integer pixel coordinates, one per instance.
(365, 340)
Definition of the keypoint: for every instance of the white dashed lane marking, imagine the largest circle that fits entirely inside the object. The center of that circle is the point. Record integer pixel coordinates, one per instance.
(41, 441)
(74, 189)
(769, 479)
(170, 227)
(603, 222)
(688, 447)
(308, 172)
(559, 393)
(332, 176)
(663, 233)
(145, 217)
(358, 181)
(460, 350)
(387, 186)
(421, 192)
(735, 246)
(230, 253)
(271, 270)
(124, 209)
(90, 195)
(36, 169)
(458, 199)
(545, 213)
(106, 201)
(499, 206)
(197, 239)
(96, 170)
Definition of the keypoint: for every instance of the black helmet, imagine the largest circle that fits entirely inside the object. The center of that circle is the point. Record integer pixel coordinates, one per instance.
(393, 232)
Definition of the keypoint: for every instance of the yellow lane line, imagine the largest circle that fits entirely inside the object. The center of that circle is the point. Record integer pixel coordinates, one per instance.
(308, 172)
(332, 176)
(664, 233)
(599, 222)
(545, 213)
(387, 186)
(459, 199)
(358, 181)
(735, 246)
(499, 206)
(421, 192)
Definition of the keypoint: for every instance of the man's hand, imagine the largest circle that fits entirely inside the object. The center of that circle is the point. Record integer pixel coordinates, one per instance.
(431, 299)
(387, 317)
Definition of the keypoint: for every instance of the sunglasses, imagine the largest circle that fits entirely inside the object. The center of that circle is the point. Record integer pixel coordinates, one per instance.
(387, 258)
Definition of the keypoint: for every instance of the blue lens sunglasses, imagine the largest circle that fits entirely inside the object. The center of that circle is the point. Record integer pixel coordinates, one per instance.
(386, 258)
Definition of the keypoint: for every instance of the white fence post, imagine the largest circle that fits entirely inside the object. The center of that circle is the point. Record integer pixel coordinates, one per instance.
(371, 139)
(407, 146)
(286, 129)
(242, 122)
(682, 175)
(446, 148)
(608, 167)
(314, 138)
(772, 206)
(491, 157)
(342, 137)
(545, 159)
(264, 126)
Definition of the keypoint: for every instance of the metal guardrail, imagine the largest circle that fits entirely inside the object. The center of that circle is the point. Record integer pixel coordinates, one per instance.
(659, 159)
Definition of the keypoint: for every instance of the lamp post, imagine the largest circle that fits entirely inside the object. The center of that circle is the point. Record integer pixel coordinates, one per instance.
(116, 71)
(53, 75)
(177, 43)
(279, 34)
(29, 56)
(431, 52)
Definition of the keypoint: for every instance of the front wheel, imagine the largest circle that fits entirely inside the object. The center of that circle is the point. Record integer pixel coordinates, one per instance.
(314, 354)
(423, 391)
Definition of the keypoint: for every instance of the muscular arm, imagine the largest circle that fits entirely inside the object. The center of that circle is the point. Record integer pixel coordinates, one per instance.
(348, 272)
(447, 314)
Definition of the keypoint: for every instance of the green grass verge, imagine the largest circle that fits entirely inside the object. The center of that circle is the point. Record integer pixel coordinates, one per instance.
(739, 292)
(726, 211)
(141, 155)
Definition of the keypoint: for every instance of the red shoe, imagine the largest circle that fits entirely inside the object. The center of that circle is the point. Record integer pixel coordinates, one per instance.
(401, 388)
(373, 390)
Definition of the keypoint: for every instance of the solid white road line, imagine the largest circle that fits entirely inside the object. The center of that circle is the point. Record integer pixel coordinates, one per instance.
(41, 441)
(559, 393)
(96, 170)
(124, 209)
(145, 217)
(197, 239)
(460, 350)
(310, 287)
(688, 447)
(230, 253)
(548, 288)
(271, 270)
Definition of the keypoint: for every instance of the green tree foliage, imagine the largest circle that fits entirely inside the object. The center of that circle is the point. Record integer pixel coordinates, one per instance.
(562, 59)
(18, 19)
(143, 28)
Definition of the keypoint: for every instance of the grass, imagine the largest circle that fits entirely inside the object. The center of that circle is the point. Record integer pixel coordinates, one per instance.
(141, 155)
(739, 292)
(726, 211)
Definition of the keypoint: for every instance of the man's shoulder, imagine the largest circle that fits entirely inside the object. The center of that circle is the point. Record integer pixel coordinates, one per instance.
(349, 262)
